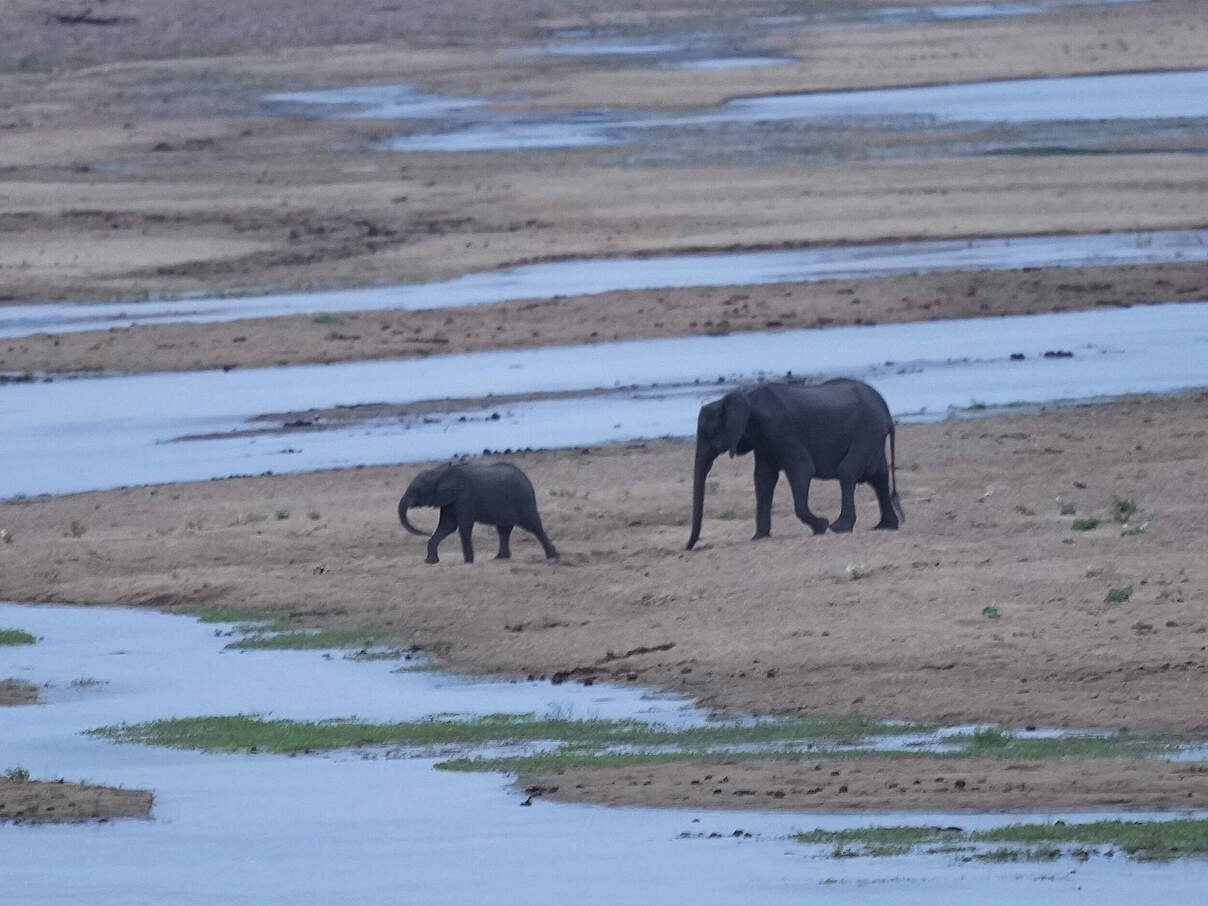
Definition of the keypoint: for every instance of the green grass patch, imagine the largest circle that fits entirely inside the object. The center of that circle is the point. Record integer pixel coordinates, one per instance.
(16, 637)
(1118, 595)
(315, 640)
(244, 615)
(1146, 840)
(228, 733)
(1085, 525)
(1001, 744)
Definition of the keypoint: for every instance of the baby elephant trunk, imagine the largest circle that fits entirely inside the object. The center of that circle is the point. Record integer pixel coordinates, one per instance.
(403, 506)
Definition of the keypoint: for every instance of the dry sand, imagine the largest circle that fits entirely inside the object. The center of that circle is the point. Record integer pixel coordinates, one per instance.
(882, 784)
(43, 801)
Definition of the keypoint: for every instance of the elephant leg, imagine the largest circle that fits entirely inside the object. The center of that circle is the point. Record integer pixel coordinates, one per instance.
(889, 516)
(444, 528)
(847, 509)
(766, 475)
(505, 550)
(533, 527)
(800, 483)
(465, 527)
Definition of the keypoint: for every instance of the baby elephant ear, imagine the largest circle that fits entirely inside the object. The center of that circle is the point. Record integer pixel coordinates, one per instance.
(738, 412)
(449, 486)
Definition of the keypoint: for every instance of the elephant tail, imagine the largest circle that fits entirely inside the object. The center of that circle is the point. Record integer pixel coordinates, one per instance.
(893, 475)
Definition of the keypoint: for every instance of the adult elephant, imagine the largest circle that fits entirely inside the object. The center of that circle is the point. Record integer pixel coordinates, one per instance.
(832, 430)
(498, 494)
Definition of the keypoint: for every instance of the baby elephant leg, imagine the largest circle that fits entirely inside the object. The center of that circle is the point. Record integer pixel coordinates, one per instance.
(505, 550)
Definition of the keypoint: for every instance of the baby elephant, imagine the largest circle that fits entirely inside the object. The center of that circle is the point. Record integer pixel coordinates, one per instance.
(498, 494)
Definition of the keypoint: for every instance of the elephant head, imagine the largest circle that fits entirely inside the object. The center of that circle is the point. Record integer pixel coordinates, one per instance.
(436, 487)
(721, 427)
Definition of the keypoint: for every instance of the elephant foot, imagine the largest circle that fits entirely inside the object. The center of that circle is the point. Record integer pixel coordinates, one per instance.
(819, 526)
(887, 525)
(842, 525)
(431, 558)
(502, 556)
(759, 536)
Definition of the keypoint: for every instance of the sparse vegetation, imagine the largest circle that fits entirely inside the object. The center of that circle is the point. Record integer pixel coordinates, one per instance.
(990, 612)
(1068, 509)
(16, 773)
(76, 529)
(1085, 525)
(1118, 595)
(1143, 840)
(242, 615)
(250, 518)
(314, 640)
(16, 637)
(1003, 744)
(1123, 509)
(253, 733)
(326, 318)
(282, 514)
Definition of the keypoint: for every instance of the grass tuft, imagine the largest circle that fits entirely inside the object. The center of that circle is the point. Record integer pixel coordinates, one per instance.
(16, 637)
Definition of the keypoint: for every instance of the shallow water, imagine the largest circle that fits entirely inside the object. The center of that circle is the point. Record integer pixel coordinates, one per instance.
(359, 827)
(573, 278)
(1146, 96)
(74, 435)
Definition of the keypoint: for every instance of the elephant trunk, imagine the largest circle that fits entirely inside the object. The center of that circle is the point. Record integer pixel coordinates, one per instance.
(403, 506)
(705, 454)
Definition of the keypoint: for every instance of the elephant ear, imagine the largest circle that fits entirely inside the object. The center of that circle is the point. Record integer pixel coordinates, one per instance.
(449, 486)
(738, 413)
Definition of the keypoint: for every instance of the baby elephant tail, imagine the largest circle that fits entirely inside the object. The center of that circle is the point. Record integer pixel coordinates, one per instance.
(893, 477)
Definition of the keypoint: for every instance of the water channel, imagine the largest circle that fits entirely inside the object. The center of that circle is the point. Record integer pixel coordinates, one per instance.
(579, 277)
(470, 124)
(372, 826)
(74, 435)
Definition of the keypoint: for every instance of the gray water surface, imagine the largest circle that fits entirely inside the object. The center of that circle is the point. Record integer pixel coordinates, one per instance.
(366, 826)
(1145, 96)
(579, 277)
(75, 435)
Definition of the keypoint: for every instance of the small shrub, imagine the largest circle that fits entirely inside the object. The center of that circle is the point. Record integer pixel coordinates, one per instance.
(77, 528)
(17, 773)
(1067, 509)
(282, 514)
(326, 318)
(1024, 510)
(313, 514)
(7, 536)
(1123, 509)
(990, 612)
(16, 637)
(1085, 525)
(1118, 595)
